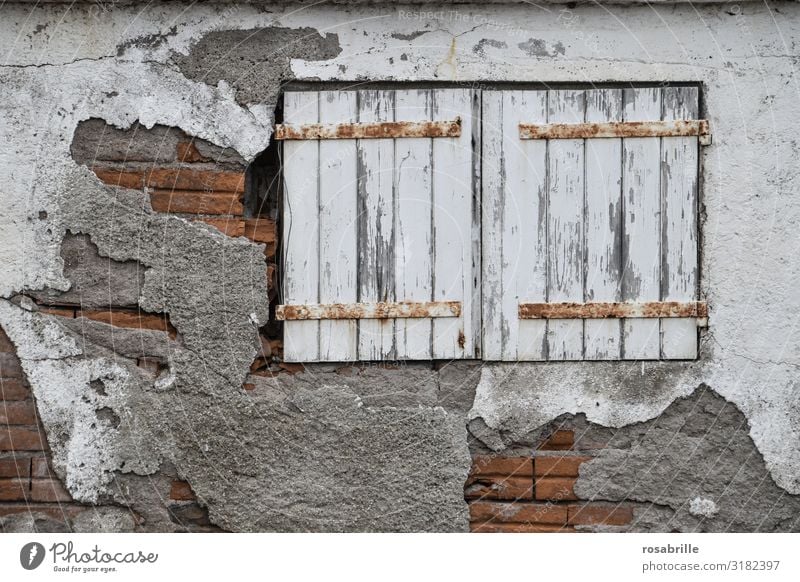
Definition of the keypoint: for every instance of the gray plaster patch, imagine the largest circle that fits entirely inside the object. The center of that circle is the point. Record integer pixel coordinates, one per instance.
(95, 281)
(255, 62)
(321, 460)
(694, 468)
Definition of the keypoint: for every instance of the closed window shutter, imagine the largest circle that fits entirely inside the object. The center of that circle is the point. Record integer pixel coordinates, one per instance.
(590, 226)
(379, 225)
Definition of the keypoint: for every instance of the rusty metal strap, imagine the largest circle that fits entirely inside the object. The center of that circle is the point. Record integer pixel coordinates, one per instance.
(387, 129)
(678, 128)
(401, 310)
(652, 309)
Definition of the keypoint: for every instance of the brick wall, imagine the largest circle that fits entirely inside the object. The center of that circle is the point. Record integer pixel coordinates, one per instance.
(534, 492)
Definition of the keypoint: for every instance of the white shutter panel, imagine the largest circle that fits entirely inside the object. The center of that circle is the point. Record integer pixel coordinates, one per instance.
(391, 221)
(586, 225)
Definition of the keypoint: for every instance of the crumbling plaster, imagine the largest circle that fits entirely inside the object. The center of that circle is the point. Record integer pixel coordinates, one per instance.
(63, 65)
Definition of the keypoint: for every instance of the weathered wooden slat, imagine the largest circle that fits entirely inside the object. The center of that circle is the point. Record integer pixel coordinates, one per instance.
(452, 226)
(492, 203)
(301, 229)
(603, 310)
(641, 277)
(384, 310)
(565, 224)
(413, 266)
(615, 129)
(376, 230)
(603, 223)
(378, 130)
(679, 174)
(338, 212)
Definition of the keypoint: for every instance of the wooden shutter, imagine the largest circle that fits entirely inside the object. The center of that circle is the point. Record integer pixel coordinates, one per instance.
(591, 227)
(379, 225)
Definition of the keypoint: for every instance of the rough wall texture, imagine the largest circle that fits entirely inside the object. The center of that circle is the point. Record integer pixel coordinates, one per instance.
(124, 404)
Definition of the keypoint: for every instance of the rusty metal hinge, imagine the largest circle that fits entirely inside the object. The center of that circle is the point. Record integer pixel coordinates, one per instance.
(610, 129)
(601, 310)
(382, 130)
(400, 310)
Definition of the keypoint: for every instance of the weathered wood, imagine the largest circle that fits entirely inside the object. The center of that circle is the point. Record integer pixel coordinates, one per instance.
(451, 202)
(301, 228)
(376, 219)
(405, 310)
(413, 268)
(615, 129)
(601, 310)
(338, 213)
(492, 205)
(603, 224)
(565, 224)
(641, 223)
(409, 128)
(679, 270)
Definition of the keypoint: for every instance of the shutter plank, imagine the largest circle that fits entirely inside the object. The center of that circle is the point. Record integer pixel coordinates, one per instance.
(492, 201)
(452, 225)
(337, 225)
(679, 169)
(376, 225)
(413, 266)
(603, 224)
(642, 224)
(300, 231)
(526, 217)
(565, 224)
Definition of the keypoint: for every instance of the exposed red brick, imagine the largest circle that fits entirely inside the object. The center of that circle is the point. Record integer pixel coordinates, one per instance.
(229, 226)
(186, 151)
(120, 178)
(10, 366)
(68, 312)
(600, 514)
(14, 490)
(555, 489)
(181, 491)
(563, 466)
(260, 230)
(542, 513)
(293, 368)
(492, 465)
(15, 467)
(249, 387)
(190, 202)
(198, 180)
(499, 487)
(14, 389)
(16, 438)
(19, 412)
(40, 467)
(48, 490)
(479, 527)
(131, 319)
(560, 440)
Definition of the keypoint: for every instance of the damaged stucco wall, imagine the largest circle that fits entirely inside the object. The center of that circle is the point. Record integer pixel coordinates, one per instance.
(212, 71)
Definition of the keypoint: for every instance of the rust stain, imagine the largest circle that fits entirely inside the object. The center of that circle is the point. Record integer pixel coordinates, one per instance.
(386, 310)
(461, 339)
(382, 130)
(653, 309)
(677, 128)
